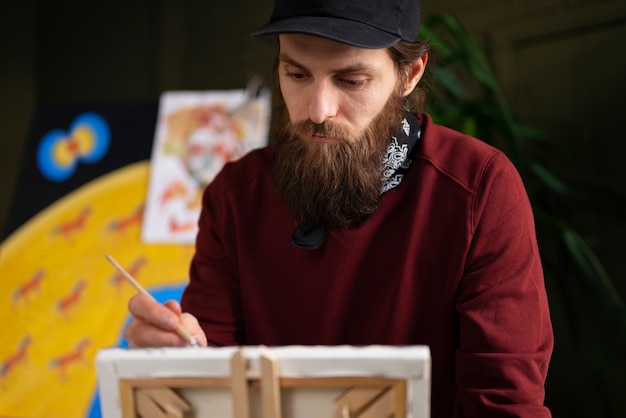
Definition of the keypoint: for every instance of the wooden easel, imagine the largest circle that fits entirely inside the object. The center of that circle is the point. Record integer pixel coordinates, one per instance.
(361, 397)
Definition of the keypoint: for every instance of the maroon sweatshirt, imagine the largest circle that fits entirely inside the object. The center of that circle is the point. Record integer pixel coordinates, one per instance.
(448, 260)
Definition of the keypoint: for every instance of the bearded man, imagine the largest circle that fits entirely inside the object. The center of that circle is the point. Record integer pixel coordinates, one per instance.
(365, 223)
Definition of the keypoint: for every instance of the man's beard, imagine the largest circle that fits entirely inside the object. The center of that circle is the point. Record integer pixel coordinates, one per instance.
(335, 184)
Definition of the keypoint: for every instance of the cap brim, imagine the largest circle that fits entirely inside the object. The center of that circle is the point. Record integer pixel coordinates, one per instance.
(335, 29)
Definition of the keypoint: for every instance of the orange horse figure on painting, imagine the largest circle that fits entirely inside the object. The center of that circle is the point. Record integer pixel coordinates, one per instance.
(176, 227)
(126, 222)
(19, 356)
(118, 280)
(174, 190)
(76, 355)
(72, 299)
(32, 284)
(74, 225)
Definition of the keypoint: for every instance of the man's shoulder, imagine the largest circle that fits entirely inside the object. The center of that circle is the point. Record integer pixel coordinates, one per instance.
(251, 167)
(441, 140)
(460, 157)
(252, 160)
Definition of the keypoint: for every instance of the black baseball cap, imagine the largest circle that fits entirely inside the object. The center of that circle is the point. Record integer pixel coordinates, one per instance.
(363, 23)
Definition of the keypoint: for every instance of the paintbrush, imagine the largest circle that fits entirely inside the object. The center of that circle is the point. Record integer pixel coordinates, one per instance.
(180, 330)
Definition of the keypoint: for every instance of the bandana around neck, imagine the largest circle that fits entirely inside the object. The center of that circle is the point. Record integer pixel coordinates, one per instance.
(395, 164)
(400, 149)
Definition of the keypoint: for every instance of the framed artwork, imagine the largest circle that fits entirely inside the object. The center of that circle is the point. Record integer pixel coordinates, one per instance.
(262, 382)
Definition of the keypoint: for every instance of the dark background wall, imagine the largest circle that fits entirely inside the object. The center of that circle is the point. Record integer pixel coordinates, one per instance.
(560, 62)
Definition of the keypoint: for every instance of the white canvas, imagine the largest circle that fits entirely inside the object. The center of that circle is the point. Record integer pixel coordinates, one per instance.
(409, 363)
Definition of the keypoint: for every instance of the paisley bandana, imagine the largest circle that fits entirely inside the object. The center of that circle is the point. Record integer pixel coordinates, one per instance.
(394, 166)
(400, 149)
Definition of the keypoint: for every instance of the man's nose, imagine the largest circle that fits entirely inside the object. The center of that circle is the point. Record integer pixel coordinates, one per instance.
(322, 102)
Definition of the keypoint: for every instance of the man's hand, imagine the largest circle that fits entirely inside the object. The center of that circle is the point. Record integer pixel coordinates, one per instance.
(154, 325)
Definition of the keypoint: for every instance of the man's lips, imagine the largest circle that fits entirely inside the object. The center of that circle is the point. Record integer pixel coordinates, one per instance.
(322, 138)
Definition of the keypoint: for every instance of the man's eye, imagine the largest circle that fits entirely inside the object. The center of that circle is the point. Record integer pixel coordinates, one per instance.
(295, 75)
(350, 82)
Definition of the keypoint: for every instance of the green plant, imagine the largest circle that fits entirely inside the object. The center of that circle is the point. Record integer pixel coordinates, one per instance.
(465, 94)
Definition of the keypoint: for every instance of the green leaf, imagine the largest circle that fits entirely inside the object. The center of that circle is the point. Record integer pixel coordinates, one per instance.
(591, 265)
(547, 178)
(449, 82)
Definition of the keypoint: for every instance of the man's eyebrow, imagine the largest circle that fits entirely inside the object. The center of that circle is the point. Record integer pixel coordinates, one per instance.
(282, 57)
(354, 68)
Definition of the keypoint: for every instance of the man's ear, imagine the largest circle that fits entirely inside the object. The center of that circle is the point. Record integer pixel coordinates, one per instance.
(416, 71)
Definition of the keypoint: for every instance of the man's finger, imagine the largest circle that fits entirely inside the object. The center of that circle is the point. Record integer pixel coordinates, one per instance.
(151, 312)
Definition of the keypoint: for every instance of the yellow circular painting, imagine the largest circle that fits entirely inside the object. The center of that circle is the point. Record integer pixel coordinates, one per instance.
(62, 300)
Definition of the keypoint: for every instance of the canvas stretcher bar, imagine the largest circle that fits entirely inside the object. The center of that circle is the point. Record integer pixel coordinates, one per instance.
(281, 382)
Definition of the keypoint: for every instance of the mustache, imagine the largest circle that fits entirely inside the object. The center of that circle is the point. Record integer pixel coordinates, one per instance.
(327, 128)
